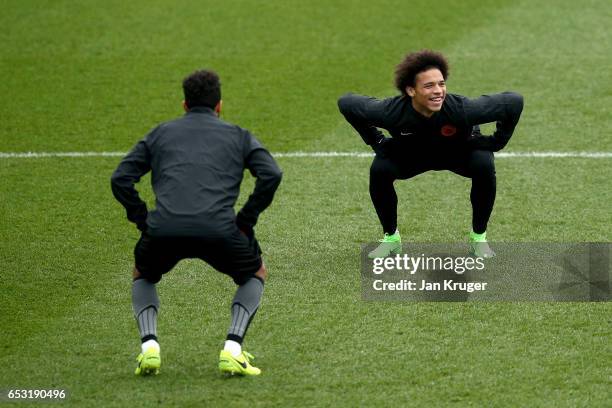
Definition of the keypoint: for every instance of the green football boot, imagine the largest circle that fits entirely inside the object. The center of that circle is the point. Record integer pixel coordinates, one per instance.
(149, 362)
(389, 245)
(240, 365)
(479, 247)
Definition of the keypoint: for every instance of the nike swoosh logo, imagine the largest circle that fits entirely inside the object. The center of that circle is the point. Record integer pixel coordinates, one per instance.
(405, 133)
(243, 364)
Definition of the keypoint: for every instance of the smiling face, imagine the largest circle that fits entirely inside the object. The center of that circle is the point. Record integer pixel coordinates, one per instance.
(428, 92)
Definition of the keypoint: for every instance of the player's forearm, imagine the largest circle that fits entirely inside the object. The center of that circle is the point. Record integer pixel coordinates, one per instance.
(505, 128)
(504, 109)
(269, 176)
(359, 112)
(128, 173)
(126, 194)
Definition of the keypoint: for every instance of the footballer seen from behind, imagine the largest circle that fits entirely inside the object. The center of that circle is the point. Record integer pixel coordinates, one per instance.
(197, 164)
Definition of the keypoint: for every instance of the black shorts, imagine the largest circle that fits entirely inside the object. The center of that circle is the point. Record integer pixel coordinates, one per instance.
(235, 255)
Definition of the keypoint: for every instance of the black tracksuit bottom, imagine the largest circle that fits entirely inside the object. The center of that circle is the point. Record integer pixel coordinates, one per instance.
(475, 164)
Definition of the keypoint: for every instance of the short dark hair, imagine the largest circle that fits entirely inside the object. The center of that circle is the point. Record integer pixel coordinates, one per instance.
(416, 62)
(202, 88)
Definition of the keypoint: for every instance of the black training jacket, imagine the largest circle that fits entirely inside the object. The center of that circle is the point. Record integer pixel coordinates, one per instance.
(197, 163)
(449, 128)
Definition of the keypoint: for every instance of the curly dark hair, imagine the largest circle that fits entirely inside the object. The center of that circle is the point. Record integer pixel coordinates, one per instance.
(202, 88)
(416, 62)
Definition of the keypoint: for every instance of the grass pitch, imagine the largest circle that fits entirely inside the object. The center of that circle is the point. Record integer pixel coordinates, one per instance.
(97, 77)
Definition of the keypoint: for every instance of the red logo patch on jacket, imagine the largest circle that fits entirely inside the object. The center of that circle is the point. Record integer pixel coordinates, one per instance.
(448, 130)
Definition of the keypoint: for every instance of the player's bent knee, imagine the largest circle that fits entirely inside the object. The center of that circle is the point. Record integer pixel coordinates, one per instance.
(380, 169)
(483, 163)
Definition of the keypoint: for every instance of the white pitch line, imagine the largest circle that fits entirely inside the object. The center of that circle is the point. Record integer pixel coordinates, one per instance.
(38, 155)
(590, 155)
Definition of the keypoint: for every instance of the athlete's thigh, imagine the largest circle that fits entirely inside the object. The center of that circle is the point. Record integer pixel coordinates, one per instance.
(470, 162)
(401, 166)
(154, 257)
(235, 255)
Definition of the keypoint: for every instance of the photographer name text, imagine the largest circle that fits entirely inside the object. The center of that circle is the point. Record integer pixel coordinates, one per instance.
(426, 286)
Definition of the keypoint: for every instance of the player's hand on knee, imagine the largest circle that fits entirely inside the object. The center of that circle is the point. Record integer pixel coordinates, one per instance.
(142, 226)
(245, 227)
(382, 146)
(249, 232)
